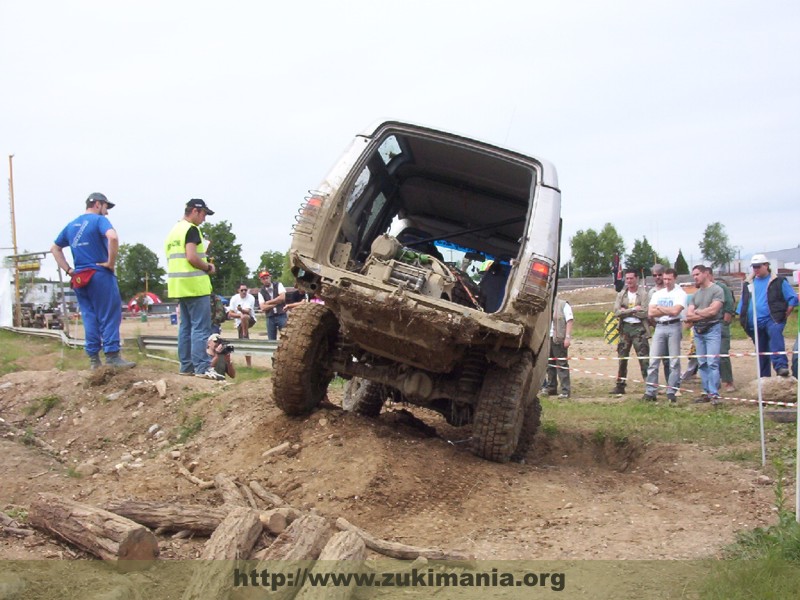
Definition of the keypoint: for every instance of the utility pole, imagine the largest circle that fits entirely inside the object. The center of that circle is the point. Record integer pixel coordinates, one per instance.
(17, 307)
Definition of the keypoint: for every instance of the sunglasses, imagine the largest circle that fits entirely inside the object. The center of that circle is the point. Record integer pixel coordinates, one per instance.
(242, 289)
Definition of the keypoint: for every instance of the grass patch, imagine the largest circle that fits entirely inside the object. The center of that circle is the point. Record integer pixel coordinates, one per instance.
(189, 428)
(549, 428)
(42, 406)
(17, 513)
(71, 472)
(196, 397)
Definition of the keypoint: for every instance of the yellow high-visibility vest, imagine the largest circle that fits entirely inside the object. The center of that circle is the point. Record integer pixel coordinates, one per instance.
(184, 280)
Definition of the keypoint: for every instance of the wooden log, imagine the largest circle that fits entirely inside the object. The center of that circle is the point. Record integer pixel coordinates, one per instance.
(269, 497)
(233, 539)
(402, 551)
(302, 540)
(249, 496)
(348, 550)
(230, 493)
(276, 520)
(104, 534)
(171, 517)
(17, 531)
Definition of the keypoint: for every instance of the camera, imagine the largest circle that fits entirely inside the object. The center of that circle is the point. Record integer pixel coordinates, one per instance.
(224, 347)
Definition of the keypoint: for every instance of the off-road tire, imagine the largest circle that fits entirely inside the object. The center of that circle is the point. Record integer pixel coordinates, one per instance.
(530, 425)
(500, 412)
(364, 397)
(301, 372)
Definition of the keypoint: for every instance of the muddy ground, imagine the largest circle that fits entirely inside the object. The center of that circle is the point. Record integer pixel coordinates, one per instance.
(406, 476)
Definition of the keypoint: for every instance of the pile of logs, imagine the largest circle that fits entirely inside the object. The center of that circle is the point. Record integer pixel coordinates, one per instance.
(126, 531)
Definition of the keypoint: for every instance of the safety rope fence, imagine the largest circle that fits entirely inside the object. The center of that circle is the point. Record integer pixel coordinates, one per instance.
(682, 390)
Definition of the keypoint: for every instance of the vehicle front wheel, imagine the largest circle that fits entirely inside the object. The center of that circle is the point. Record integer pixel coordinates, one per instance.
(300, 364)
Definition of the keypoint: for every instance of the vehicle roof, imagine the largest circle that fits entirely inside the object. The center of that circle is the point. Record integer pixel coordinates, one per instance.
(549, 173)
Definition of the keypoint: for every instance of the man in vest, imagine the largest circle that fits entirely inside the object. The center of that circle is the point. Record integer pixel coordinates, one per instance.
(272, 300)
(560, 340)
(630, 308)
(188, 280)
(94, 244)
(774, 301)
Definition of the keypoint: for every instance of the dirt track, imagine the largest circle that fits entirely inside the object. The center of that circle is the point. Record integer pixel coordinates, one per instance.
(406, 476)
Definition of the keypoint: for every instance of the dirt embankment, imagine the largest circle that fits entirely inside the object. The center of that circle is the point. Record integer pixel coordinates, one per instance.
(406, 476)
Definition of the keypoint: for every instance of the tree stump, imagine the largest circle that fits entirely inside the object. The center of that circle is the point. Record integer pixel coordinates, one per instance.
(100, 532)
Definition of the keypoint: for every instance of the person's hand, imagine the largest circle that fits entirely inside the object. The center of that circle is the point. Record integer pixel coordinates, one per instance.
(108, 265)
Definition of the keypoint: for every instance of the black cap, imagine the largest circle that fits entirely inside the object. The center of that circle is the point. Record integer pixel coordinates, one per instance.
(199, 203)
(98, 197)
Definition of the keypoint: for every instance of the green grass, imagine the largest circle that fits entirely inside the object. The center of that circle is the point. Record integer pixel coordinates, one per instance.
(663, 423)
(189, 428)
(42, 406)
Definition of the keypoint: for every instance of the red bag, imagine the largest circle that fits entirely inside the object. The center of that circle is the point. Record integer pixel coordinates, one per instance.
(82, 278)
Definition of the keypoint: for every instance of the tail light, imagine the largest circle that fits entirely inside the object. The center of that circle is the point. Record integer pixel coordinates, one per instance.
(535, 290)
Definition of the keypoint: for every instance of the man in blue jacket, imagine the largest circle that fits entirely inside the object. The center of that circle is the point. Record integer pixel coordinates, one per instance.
(774, 301)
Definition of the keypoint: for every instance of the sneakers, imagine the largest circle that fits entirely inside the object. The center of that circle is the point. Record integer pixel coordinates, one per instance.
(784, 372)
(714, 399)
(672, 398)
(186, 373)
(702, 399)
(95, 362)
(563, 396)
(211, 374)
(113, 359)
(618, 389)
(648, 398)
(728, 387)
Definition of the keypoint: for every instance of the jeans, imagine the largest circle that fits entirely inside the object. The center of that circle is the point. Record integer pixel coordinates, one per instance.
(666, 341)
(101, 310)
(193, 331)
(274, 323)
(709, 343)
(770, 339)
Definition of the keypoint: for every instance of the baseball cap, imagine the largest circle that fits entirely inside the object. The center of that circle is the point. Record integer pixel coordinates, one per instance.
(214, 337)
(95, 197)
(199, 203)
(759, 259)
(264, 273)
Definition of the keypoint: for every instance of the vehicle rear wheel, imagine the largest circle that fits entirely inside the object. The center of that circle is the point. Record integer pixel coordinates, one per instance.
(364, 397)
(300, 365)
(501, 409)
(530, 425)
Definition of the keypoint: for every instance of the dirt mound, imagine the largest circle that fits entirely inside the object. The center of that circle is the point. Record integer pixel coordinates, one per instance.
(406, 475)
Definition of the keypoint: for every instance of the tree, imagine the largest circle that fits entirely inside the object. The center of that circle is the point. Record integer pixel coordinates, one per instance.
(273, 261)
(642, 256)
(227, 257)
(715, 246)
(137, 269)
(681, 266)
(593, 253)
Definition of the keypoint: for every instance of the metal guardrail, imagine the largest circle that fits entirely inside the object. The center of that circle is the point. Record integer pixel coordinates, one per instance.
(165, 342)
(51, 333)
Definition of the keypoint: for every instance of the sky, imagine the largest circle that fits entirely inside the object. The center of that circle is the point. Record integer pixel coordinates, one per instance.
(660, 117)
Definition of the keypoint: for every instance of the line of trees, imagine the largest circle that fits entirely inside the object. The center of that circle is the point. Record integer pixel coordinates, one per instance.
(594, 253)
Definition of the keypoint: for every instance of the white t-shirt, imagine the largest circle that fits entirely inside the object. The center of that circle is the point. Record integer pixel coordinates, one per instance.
(568, 316)
(631, 304)
(663, 297)
(248, 302)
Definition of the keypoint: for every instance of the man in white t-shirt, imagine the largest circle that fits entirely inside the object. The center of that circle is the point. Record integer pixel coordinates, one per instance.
(242, 308)
(665, 309)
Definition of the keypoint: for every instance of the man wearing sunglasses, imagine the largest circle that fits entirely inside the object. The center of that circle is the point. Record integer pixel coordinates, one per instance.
(242, 308)
(774, 301)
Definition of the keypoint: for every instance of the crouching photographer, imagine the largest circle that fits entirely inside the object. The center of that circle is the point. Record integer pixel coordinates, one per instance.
(220, 352)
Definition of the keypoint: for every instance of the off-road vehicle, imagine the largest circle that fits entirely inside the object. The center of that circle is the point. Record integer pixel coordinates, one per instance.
(392, 242)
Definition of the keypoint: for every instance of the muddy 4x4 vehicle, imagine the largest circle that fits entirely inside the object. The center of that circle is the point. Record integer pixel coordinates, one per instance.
(391, 242)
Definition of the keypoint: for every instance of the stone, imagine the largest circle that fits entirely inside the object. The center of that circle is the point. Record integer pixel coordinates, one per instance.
(161, 388)
(86, 469)
(650, 488)
(115, 395)
(153, 428)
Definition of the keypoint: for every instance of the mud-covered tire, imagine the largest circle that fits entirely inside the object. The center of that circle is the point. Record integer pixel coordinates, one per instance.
(363, 397)
(301, 375)
(530, 425)
(500, 412)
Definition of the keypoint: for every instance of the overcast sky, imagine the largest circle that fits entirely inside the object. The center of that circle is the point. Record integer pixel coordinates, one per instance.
(660, 117)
